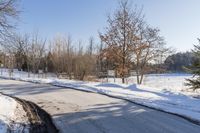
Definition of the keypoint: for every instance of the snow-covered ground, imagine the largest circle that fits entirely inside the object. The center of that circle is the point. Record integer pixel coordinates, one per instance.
(12, 115)
(173, 81)
(165, 92)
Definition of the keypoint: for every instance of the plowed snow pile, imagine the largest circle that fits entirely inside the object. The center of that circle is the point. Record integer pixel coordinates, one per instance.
(12, 115)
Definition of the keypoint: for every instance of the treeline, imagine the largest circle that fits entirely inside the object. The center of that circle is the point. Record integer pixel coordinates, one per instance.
(60, 55)
(179, 62)
(174, 63)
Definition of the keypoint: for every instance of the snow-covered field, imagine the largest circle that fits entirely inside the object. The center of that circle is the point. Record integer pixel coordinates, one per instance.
(173, 81)
(165, 92)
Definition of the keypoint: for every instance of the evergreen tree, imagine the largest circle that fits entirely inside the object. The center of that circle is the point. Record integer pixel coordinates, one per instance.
(194, 82)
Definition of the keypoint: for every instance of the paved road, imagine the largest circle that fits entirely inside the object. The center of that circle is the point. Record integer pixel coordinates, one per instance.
(81, 112)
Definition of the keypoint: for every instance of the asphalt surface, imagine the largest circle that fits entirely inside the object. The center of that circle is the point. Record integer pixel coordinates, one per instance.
(81, 112)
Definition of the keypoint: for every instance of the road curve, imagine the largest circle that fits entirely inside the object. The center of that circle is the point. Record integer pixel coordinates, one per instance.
(81, 112)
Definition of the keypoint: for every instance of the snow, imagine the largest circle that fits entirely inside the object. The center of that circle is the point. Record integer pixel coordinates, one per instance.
(164, 92)
(12, 115)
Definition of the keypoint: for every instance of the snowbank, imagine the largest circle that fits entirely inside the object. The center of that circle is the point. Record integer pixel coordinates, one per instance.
(20, 116)
(175, 102)
(12, 115)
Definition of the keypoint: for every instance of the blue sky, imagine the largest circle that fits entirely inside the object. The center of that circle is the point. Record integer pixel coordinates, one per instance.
(178, 20)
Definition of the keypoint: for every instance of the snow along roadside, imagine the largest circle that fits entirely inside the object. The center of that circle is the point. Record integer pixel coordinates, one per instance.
(12, 115)
(21, 116)
(178, 104)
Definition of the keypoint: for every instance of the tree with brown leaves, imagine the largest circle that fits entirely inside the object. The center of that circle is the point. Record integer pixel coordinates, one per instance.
(130, 41)
(120, 35)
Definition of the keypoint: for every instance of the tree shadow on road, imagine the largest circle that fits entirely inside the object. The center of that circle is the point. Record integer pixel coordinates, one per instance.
(123, 117)
(28, 89)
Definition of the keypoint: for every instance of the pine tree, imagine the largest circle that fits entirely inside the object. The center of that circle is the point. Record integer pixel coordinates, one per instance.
(194, 82)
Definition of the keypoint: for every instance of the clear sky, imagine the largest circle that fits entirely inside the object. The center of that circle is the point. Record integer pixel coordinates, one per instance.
(178, 20)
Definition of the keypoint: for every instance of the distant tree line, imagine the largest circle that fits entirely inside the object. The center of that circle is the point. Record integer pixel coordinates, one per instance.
(61, 55)
(179, 61)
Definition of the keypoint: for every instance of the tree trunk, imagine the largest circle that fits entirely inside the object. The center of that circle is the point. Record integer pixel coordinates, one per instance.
(28, 72)
(141, 78)
(123, 80)
(83, 75)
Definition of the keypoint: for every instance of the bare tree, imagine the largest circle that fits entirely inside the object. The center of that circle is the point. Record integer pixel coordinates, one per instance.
(36, 51)
(15, 51)
(71, 59)
(17, 44)
(91, 46)
(56, 51)
(9, 11)
(62, 55)
(149, 46)
(100, 59)
(85, 62)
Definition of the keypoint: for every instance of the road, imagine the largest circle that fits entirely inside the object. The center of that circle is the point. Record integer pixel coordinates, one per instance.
(81, 112)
